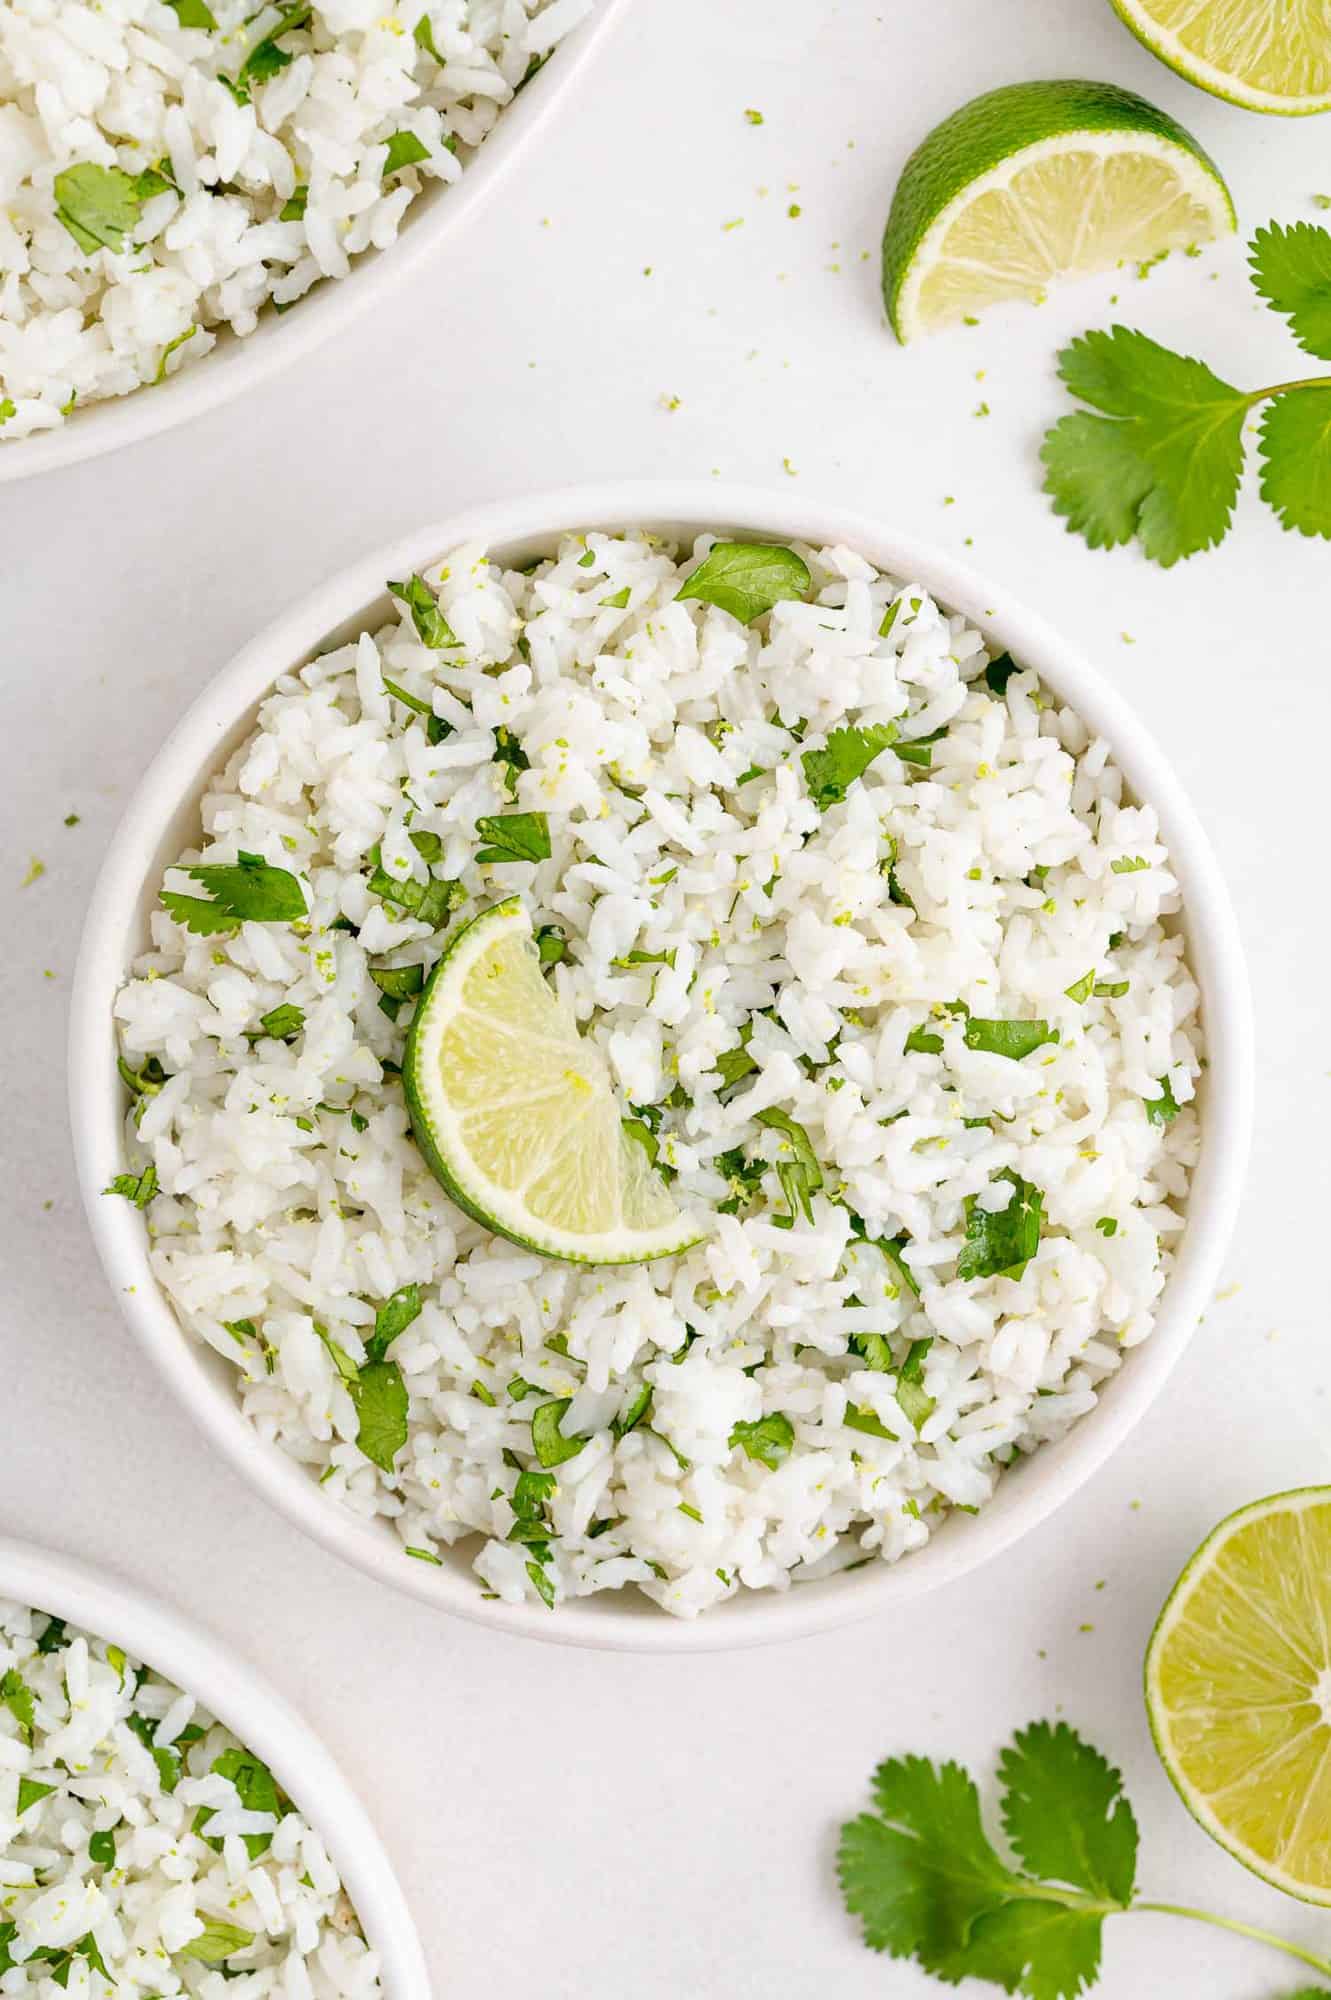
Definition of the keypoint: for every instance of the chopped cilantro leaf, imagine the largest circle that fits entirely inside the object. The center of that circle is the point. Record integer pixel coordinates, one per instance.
(216, 1942)
(548, 1441)
(1000, 1243)
(767, 1439)
(380, 1396)
(138, 1188)
(432, 628)
(830, 772)
(799, 1177)
(404, 150)
(282, 1023)
(393, 1317)
(513, 837)
(914, 1402)
(747, 578)
(1013, 1039)
(1162, 1110)
(247, 890)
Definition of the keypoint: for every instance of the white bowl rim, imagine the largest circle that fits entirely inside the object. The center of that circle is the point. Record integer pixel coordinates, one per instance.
(686, 507)
(264, 1721)
(436, 214)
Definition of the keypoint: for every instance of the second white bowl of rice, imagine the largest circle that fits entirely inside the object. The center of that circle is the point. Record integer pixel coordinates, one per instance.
(172, 1815)
(807, 1418)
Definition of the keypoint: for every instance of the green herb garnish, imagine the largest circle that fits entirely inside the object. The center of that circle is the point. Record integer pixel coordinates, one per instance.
(247, 890)
(432, 628)
(747, 578)
(513, 837)
(548, 1441)
(799, 1177)
(404, 150)
(767, 1439)
(1162, 458)
(1001, 1243)
(830, 772)
(1013, 1039)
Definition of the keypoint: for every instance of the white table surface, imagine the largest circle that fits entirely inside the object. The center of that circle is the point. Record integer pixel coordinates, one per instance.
(584, 1824)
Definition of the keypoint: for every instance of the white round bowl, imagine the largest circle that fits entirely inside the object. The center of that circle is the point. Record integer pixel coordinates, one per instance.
(163, 819)
(155, 1634)
(236, 365)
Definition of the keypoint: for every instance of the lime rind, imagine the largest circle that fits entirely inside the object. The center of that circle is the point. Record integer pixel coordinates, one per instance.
(984, 147)
(541, 1098)
(1296, 1501)
(1195, 68)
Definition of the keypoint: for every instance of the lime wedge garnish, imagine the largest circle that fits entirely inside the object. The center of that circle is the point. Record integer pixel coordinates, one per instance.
(516, 1112)
(1035, 182)
(1268, 55)
(1238, 1688)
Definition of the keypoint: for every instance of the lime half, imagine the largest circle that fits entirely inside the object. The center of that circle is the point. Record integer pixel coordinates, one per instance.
(1238, 1688)
(1035, 182)
(516, 1112)
(1267, 55)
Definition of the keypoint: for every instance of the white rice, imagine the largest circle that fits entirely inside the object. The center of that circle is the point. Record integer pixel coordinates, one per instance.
(255, 200)
(294, 1199)
(107, 1868)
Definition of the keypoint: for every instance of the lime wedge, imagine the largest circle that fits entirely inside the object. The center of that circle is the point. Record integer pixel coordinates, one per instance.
(1267, 55)
(1238, 1688)
(515, 1111)
(1039, 181)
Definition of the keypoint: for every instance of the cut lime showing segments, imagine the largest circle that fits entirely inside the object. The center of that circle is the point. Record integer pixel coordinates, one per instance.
(1036, 182)
(1238, 1688)
(1267, 55)
(516, 1112)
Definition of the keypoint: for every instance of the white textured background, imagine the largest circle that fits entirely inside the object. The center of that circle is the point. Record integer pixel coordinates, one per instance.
(582, 1824)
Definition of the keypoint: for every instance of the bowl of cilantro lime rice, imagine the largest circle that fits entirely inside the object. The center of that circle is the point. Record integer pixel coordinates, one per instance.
(661, 1067)
(168, 1818)
(195, 192)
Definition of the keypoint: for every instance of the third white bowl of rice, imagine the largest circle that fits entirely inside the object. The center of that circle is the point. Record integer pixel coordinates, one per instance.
(879, 939)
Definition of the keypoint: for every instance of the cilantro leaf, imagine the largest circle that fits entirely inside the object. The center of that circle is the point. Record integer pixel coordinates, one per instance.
(216, 1942)
(432, 628)
(1013, 1039)
(999, 672)
(747, 578)
(404, 150)
(380, 1397)
(283, 1023)
(830, 772)
(257, 1790)
(1162, 1110)
(1048, 1951)
(102, 1849)
(30, 1790)
(767, 1439)
(399, 982)
(247, 890)
(732, 1064)
(1163, 460)
(920, 1872)
(193, 13)
(394, 1316)
(428, 902)
(166, 1760)
(913, 1399)
(548, 1441)
(18, 1699)
(799, 1177)
(138, 1188)
(551, 944)
(1065, 1814)
(424, 38)
(514, 837)
(1001, 1244)
(97, 205)
(266, 59)
(1291, 268)
(1295, 453)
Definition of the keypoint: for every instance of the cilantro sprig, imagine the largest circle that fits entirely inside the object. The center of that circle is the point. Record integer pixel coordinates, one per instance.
(247, 890)
(927, 1883)
(1158, 453)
